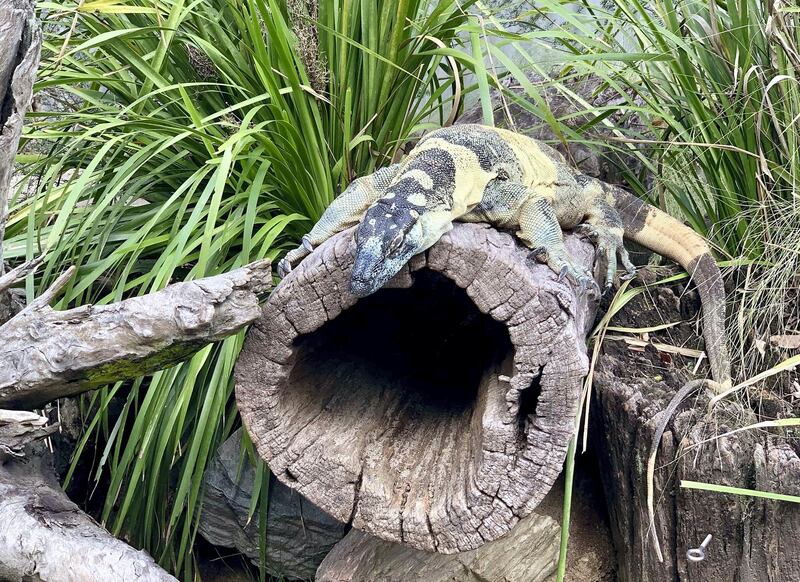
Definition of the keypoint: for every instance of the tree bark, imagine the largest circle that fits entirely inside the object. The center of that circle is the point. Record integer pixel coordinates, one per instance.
(20, 42)
(753, 539)
(49, 354)
(436, 414)
(46, 537)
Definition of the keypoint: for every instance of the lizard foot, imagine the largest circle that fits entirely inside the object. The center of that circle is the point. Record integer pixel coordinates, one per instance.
(293, 258)
(562, 264)
(609, 246)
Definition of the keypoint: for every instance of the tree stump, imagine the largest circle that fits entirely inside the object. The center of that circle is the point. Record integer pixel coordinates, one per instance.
(753, 539)
(434, 413)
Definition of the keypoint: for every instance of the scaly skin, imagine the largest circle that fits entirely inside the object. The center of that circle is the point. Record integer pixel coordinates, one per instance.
(473, 173)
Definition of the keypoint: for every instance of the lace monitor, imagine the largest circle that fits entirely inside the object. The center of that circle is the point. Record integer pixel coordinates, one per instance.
(473, 173)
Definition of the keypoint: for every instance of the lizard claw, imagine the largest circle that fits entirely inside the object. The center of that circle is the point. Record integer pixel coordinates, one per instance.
(307, 244)
(284, 268)
(609, 246)
(589, 285)
(293, 258)
(581, 278)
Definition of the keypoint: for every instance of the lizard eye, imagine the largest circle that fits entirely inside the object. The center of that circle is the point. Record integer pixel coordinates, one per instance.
(394, 246)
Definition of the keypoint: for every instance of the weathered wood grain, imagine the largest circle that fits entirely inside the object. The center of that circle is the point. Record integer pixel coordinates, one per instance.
(20, 43)
(753, 539)
(49, 354)
(435, 415)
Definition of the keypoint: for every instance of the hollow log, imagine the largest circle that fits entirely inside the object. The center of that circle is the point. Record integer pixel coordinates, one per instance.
(435, 413)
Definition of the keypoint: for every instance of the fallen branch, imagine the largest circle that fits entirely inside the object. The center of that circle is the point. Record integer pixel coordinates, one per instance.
(19, 272)
(50, 354)
(45, 536)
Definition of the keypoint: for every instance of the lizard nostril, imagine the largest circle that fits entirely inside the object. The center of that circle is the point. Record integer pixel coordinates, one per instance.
(359, 287)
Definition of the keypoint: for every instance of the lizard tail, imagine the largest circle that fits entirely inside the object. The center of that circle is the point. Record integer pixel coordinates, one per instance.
(666, 236)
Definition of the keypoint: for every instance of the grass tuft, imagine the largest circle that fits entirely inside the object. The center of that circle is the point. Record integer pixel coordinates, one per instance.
(207, 135)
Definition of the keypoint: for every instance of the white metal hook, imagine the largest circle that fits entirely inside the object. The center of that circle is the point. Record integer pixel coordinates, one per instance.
(698, 554)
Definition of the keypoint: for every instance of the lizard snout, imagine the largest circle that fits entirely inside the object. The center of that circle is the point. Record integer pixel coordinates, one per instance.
(360, 287)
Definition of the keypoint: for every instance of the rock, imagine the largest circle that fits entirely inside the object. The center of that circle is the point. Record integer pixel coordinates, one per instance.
(299, 534)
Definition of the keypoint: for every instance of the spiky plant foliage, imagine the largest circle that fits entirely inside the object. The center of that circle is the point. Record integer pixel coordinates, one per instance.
(209, 134)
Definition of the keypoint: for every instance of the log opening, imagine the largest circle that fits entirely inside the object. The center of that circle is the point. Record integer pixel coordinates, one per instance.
(391, 347)
(434, 413)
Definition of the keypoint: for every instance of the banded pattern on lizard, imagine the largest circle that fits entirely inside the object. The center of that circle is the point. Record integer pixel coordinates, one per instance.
(473, 173)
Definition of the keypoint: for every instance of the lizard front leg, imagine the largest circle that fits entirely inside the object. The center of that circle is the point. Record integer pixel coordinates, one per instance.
(345, 211)
(539, 229)
(508, 204)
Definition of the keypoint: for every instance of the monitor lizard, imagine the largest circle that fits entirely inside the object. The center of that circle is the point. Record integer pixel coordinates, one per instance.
(474, 173)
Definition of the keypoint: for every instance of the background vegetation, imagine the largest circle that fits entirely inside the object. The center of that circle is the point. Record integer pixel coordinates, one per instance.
(211, 133)
(713, 90)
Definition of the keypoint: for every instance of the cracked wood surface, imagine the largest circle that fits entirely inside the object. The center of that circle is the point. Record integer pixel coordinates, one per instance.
(49, 354)
(753, 539)
(45, 536)
(528, 553)
(340, 415)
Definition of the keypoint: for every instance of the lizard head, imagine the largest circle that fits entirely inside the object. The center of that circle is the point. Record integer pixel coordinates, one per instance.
(385, 241)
